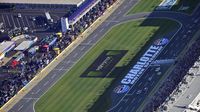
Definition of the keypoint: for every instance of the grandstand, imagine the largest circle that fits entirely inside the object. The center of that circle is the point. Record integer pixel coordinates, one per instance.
(85, 9)
(82, 10)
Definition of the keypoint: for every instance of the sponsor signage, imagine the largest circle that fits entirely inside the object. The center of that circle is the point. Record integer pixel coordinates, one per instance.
(167, 4)
(139, 68)
(104, 64)
(121, 89)
(163, 61)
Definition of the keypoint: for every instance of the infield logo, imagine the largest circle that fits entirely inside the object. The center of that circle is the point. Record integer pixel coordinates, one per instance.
(161, 42)
(141, 65)
(122, 89)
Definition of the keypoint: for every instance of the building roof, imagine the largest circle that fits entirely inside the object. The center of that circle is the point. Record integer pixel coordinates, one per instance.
(24, 45)
(86, 5)
(68, 2)
(4, 46)
(195, 103)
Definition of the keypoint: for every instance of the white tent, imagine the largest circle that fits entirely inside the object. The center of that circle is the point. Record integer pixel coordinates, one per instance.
(5, 47)
(24, 45)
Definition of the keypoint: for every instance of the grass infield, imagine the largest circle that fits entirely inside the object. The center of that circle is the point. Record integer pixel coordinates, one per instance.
(150, 5)
(145, 6)
(76, 94)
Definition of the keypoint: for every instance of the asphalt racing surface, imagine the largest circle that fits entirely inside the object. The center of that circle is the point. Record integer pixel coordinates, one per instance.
(131, 100)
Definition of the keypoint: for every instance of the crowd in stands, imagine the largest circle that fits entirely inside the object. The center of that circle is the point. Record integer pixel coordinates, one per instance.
(181, 69)
(90, 17)
(31, 63)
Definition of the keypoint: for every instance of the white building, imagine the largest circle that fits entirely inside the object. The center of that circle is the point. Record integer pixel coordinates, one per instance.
(64, 24)
(24, 45)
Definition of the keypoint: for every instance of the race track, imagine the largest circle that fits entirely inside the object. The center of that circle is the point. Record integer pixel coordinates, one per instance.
(130, 101)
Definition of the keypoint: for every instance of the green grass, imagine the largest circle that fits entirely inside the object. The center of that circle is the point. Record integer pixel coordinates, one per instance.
(145, 6)
(76, 94)
(113, 52)
(150, 5)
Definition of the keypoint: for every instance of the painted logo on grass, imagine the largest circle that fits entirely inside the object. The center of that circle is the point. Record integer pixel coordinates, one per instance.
(162, 41)
(122, 89)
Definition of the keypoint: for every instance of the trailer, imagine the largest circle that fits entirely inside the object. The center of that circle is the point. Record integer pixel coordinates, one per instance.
(48, 16)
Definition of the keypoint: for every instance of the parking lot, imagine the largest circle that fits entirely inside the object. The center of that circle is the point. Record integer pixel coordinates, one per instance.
(12, 21)
(31, 20)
